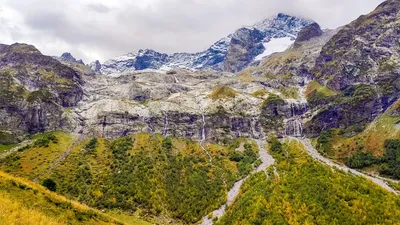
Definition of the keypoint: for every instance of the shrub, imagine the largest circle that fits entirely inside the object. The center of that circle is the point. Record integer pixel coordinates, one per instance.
(92, 145)
(222, 92)
(45, 141)
(361, 160)
(50, 184)
(167, 144)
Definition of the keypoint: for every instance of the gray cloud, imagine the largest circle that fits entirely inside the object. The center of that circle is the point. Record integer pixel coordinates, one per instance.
(106, 29)
(97, 7)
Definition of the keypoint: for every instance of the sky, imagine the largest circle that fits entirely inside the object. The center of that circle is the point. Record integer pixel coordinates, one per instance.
(104, 29)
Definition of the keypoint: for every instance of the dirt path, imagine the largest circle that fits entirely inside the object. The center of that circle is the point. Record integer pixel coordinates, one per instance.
(266, 161)
(60, 159)
(316, 155)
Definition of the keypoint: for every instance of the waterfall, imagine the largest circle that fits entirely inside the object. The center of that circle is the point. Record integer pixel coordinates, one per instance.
(176, 79)
(149, 125)
(294, 121)
(203, 131)
(203, 137)
(294, 127)
(165, 124)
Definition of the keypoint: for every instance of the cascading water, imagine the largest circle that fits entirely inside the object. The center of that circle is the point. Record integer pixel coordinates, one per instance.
(203, 136)
(203, 130)
(294, 125)
(176, 79)
(166, 123)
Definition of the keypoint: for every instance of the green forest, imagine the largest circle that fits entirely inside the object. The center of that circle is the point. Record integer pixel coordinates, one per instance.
(306, 192)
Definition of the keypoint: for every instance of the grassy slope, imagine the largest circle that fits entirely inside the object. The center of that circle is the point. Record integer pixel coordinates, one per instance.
(33, 161)
(307, 192)
(24, 202)
(94, 178)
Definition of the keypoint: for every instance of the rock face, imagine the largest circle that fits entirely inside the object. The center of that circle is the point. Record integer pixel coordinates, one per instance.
(34, 90)
(366, 50)
(67, 57)
(95, 66)
(214, 57)
(361, 64)
(307, 33)
(334, 79)
(245, 45)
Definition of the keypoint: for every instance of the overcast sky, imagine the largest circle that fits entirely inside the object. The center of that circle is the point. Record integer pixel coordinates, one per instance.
(104, 29)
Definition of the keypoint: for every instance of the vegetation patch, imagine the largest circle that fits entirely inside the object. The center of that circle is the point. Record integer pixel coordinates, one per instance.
(7, 138)
(317, 94)
(23, 202)
(290, 92)
(307, 192)
(170, 177)
(259, 93)
(246, 78)
(222, 92)
(38, 157)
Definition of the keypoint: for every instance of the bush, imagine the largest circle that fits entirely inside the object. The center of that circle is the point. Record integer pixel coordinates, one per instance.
(276, 145)
(167, 144)
(391, 166)
(361, 160)
(45, 141)
(92, 145)
(50, 184)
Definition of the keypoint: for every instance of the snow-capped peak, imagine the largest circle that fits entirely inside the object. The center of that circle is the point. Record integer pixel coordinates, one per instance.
(282, 27)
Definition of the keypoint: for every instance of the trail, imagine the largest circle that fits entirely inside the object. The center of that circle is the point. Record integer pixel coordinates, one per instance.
(316, 155)
(266, 159)
(60, 159)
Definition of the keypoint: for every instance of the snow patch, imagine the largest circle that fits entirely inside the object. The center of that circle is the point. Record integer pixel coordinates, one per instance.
(275, 45)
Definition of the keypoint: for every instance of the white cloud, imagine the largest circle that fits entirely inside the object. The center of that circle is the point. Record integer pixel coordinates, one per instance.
(103, 29)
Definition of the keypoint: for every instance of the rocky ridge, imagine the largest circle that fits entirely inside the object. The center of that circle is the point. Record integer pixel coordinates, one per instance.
(222, 55)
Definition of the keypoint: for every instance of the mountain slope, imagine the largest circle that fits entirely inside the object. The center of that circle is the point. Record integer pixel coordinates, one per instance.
(23, 202)
(223, 55)
(34, 90)
(360, 63)
(303, 191)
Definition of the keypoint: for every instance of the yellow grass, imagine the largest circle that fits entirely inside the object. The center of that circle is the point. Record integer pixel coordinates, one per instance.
(15, 213)
(24, 202)
(222, 92)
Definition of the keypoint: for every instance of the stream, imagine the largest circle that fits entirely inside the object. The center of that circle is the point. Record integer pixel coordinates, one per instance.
(266, 160)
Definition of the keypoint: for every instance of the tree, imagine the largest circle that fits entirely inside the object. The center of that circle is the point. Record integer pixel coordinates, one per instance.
(50, 184)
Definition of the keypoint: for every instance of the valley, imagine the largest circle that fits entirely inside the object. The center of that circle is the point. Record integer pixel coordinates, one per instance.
(281, 122)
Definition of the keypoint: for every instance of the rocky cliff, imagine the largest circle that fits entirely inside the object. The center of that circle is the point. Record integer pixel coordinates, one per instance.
(327, 79)
(35, 90)
(361, 64)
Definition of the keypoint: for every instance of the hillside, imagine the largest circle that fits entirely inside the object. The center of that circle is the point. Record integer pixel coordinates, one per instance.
(303, 191)
(24, 202)
(237, 134)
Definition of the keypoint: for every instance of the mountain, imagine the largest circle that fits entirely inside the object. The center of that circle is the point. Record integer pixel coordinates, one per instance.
(35, 90)
(308, 135)
(259, 40)
(67, 57)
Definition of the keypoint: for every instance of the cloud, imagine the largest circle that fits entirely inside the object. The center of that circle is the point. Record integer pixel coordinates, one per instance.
(97, 7)
(104, 29)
